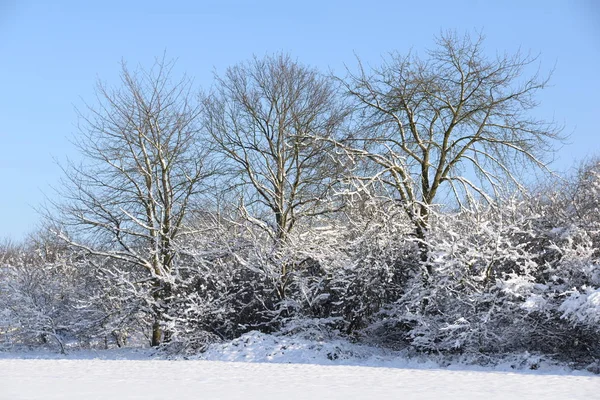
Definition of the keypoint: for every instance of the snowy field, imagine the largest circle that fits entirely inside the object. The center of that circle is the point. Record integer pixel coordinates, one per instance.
(152, 379)
(259, 366)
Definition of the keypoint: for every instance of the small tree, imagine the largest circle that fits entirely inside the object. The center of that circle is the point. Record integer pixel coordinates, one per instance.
(145, 162)
(458, 118)
(43, 284)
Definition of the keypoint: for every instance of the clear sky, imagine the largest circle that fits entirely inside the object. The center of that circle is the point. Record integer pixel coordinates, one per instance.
(52, 53)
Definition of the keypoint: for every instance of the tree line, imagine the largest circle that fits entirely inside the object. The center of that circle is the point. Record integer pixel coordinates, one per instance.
(387, 205)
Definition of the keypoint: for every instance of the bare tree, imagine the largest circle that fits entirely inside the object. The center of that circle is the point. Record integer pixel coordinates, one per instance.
(262, 116)
(145, 162)
(458, 119)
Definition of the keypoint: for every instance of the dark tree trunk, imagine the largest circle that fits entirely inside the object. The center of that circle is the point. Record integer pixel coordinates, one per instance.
(162, 297)
(422, 225)
(156, 333)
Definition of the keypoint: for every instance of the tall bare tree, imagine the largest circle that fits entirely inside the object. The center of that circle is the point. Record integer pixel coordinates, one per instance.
(458, 118)
(144, 162)
(262, 116)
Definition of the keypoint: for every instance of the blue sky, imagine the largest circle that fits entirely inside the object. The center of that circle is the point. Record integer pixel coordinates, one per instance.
(53, 52)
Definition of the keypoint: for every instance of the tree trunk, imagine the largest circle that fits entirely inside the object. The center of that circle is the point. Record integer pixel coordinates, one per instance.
(156, 333)
(422, 225)
(162, 298)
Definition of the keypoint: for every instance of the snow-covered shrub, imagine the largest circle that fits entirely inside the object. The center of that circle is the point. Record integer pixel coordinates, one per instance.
(43, 288)
(341, 269)
(376, 261)
(334, 274)
(502, 279)
(457, 307)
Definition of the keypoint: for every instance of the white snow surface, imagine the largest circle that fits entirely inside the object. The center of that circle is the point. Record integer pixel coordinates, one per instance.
(135, 379)
(279, 367)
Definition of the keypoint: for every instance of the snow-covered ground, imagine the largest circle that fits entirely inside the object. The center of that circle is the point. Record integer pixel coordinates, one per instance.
(149, 380)
(276, 367)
